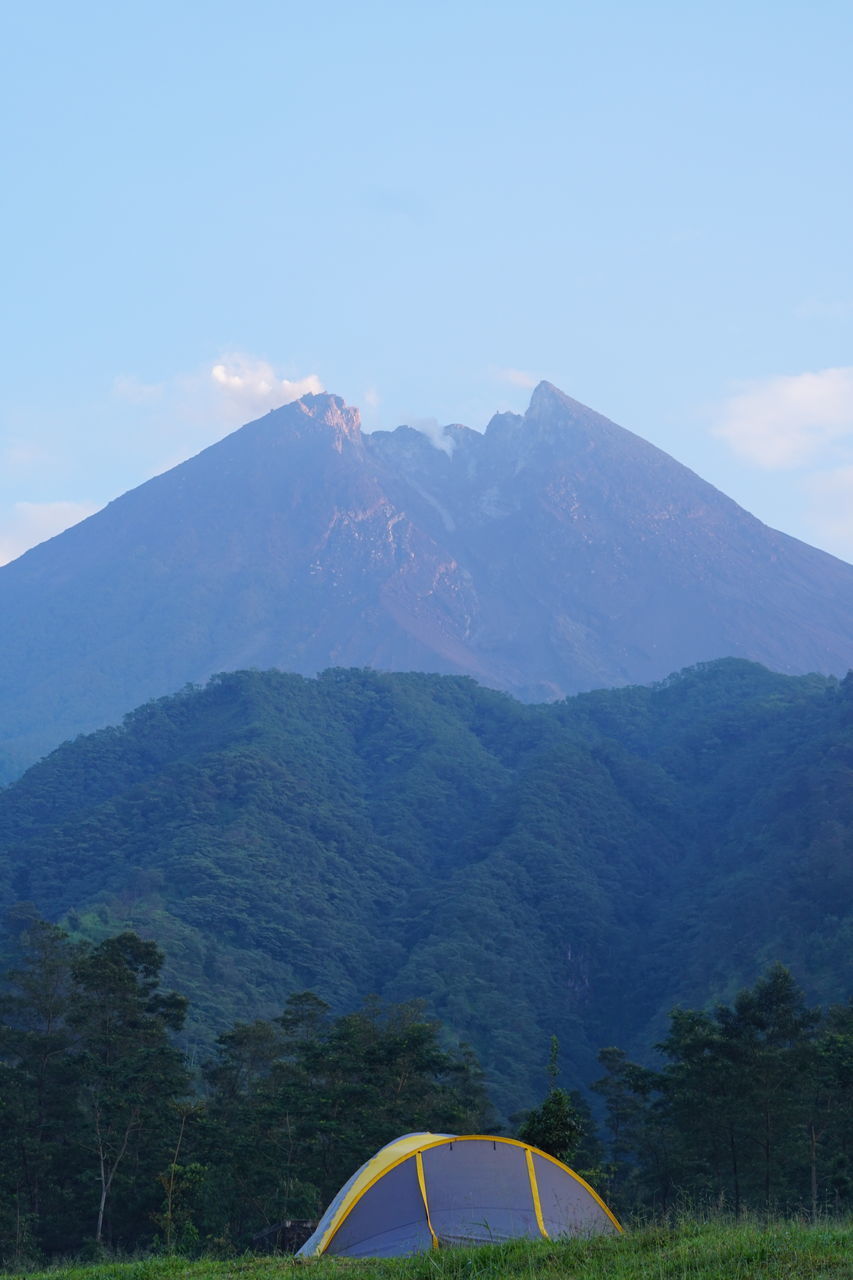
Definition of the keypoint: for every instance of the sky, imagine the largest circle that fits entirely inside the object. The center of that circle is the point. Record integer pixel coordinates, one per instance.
(212, 208)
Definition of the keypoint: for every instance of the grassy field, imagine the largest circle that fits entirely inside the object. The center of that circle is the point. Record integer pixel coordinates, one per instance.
(692, 1251)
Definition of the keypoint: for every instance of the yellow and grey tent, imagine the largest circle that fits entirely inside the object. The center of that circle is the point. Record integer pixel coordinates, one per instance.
(427, 1190)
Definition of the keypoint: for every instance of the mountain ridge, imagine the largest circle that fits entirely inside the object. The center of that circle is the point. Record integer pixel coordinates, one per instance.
(554, 552)
(575, 868)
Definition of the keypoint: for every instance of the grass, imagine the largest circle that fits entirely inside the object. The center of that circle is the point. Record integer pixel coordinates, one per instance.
(690, 1251)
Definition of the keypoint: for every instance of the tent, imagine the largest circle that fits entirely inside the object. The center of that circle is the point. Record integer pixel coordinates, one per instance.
(427, 1190)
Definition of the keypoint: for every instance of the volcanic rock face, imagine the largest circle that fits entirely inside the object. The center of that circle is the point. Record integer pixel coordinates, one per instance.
(554, 553)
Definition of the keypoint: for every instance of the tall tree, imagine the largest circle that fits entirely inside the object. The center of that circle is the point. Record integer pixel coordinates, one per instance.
(829, 1117)
(768, 1036)
(639, 1169)
(556, 1125)
(130, 1072)
(39, 1123)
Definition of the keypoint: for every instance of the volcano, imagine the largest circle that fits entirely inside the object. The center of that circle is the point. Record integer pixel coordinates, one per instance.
(553, 553)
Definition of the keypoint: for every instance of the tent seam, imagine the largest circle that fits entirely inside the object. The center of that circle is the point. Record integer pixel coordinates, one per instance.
(419, 1165)
(534, 1189)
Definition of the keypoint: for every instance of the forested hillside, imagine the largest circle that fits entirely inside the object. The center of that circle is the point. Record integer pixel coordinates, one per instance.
(576, 868)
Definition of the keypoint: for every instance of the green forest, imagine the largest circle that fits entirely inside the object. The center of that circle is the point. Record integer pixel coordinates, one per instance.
(111, 1139)
(576, 869)
(109, 1136)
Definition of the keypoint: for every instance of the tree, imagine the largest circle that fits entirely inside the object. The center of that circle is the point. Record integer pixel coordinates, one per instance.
(829, 1121)
(555, 1126)
(735, 1092)
(297, 1105)
(247, 1141)
(705, 1106)
(768, 1041)
(130, 1072)
(639, 1167)
(39, 1123)
(180, 1183)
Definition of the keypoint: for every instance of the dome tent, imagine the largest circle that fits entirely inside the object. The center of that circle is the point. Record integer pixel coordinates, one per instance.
(426, 1190)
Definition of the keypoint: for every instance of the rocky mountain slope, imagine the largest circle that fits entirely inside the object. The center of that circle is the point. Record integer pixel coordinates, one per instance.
(555, 552)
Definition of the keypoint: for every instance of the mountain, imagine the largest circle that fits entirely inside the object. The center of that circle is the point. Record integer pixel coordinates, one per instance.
(554, 553)
(574, 868)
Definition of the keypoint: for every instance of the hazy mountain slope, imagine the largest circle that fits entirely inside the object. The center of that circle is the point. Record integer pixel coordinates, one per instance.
(553, 553)
(600, 560)
(574, 868)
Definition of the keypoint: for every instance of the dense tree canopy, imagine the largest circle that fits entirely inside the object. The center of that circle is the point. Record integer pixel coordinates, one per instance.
(575, 869)
(90, 1078)
(107, 1138)
(753, 1106)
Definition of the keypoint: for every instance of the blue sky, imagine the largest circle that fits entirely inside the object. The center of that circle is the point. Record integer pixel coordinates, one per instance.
(426, 208)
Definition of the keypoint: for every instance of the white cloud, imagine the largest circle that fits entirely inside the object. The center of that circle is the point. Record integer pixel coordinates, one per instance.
(791, 420)
(254, 386)
(831, 514)
(27, 523)
(189, 411)
(518, 378)
(144, 429)
(435, 433)
(237, 387)
(369, 406)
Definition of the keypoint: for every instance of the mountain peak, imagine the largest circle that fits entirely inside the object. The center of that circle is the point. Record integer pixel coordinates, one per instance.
(333, 412)
(546, 393)
(548, 399)
(556, 418)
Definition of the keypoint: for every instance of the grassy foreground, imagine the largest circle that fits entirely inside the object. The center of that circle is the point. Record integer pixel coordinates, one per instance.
(692, 1251)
